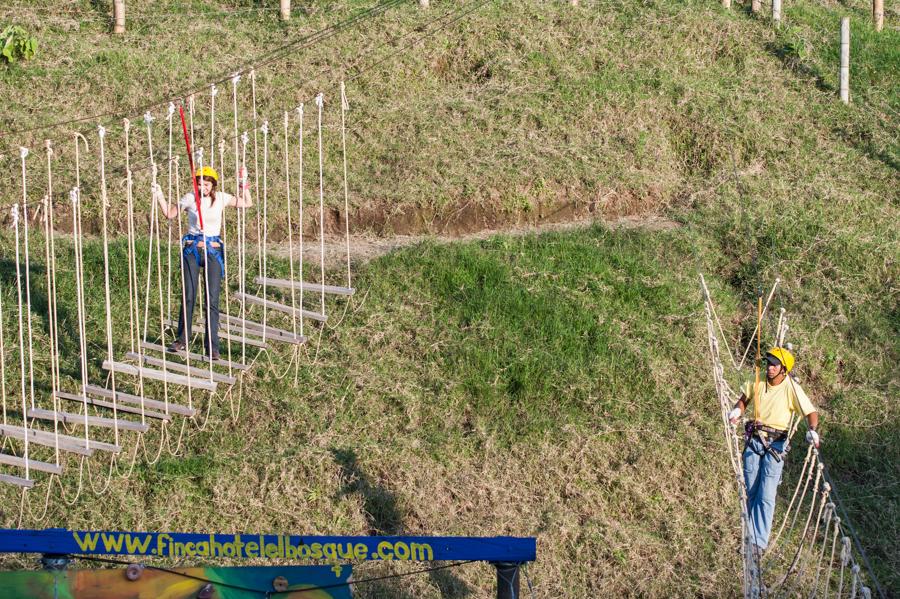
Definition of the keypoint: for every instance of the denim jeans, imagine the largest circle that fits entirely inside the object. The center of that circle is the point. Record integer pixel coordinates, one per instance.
(762, 473)
(191, 281)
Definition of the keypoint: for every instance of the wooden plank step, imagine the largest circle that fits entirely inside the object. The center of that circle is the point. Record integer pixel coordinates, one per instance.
(311, 287)
(248, 340)
(66, 443)
(159, 375)
(193, 356)
(18, 461)
(78, 419)
(175, 366)
(120, 407)
(153, 404)
(270, 333)
(260, 301)
(16, 480)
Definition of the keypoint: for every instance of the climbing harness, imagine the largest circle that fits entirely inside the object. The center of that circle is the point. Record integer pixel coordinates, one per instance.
(213, 244)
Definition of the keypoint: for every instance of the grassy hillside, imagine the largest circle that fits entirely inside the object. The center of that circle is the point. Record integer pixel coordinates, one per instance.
(553, 385)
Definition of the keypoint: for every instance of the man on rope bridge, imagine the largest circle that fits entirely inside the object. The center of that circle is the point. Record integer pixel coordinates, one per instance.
(203, 248)
(766, 439)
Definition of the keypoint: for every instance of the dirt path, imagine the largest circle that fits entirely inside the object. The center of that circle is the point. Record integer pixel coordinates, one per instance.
(368, 247)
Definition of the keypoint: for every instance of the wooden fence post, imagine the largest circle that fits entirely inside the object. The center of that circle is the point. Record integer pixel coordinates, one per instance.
(285, 9)
(118, 16)
(776, 12)
(845, 60)
(878, 14)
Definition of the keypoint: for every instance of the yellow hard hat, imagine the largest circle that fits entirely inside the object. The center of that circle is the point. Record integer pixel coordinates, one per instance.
(782, 355)
(208, 172)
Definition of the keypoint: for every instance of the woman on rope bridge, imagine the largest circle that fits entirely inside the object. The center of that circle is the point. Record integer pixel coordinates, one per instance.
(776, 399)
(212, 204)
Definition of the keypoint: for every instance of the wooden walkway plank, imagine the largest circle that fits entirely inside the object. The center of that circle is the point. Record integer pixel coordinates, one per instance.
(193, 356)
(311, 287)
(78, 419)
(177, 367)
(153, 404)
(120, 407)
(16, 480)
(248, 340)
(19, 462)
(272, 305)
(270, 333)
(66, 443)
(159, 375)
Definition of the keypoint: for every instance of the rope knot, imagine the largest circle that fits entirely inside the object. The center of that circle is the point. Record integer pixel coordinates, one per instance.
(23, 152)
(265, 128)
(855, 569)
(171, 110)
(320, 99)
(345, 105)
(127, 125)
(148, 118)
(845, 551)
(14, 213)
(300, 110)
(73, 195)
(101, 131)
(235, 79)
(49, 147)
(213, 90)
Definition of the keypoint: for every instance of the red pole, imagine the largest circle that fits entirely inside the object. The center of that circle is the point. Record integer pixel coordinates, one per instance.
(187, 142)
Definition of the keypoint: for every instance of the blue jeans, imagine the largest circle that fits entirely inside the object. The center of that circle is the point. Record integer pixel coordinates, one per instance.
(762, 473)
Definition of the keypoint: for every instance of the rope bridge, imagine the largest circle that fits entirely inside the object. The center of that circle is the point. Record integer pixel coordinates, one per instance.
(81, 415)
(813, 551)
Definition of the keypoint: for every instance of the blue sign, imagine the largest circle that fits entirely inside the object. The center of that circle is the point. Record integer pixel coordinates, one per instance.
(331, 549)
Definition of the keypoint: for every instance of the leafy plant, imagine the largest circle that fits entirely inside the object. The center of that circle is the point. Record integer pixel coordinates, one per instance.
(17, 44)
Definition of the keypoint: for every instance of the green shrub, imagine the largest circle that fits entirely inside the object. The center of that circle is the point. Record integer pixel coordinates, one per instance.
(17, 44)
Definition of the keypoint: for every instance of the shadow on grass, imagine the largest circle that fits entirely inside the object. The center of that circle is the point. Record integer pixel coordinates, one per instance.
(384, 518)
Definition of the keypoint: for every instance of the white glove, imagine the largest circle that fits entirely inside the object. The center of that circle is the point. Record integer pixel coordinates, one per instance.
(812, 437)
(734, 415)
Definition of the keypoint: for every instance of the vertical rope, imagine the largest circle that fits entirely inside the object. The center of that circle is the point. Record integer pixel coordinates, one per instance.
(154, 237)
(170, 114)
(208, 335)
(133, 287)
(287, 186)
(79, 300)
(79, 264)
(300, 204)
(104, 200)
(15, 218)
(226, 253)
(213, 92)
(239, 217)
(187, 346)
(265, 216)
(242, 232)
(345, 106)
(2, 357)
(834, 537)
(23, 153)
(256, 168)
(320, 103)
(50, 261)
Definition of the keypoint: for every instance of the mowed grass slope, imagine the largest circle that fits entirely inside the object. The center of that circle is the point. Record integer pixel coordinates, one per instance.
(554, 385)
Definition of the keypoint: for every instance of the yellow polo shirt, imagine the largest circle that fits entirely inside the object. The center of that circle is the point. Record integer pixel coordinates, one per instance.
(777, 402)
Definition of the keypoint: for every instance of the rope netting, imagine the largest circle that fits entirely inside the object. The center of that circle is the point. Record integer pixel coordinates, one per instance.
(812, 552)
(141, 380)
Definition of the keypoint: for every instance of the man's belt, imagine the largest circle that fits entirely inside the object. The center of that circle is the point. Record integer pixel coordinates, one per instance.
(773, 434)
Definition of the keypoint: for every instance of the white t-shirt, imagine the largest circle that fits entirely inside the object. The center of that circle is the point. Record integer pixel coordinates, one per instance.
(212, 213)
